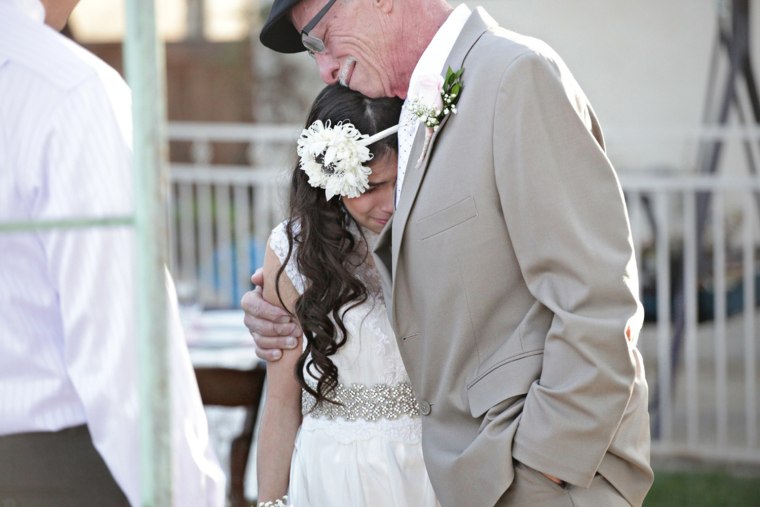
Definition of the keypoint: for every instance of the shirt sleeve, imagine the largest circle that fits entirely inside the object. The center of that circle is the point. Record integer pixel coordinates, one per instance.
(87, 173)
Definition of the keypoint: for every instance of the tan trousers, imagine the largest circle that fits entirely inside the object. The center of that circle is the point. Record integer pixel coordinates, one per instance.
(56, 469)
(531, 488)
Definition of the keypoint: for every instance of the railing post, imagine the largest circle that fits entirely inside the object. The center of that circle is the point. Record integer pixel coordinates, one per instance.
(144, 66)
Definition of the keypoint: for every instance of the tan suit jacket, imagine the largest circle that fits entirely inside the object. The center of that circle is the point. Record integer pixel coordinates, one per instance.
(514, 282)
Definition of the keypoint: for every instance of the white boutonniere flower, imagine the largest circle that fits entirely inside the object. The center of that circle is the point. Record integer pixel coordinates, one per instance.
(432, 99)
(333, 157)
(435, 97)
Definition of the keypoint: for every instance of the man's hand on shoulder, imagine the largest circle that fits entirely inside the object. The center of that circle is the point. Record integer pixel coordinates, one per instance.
(272, 328)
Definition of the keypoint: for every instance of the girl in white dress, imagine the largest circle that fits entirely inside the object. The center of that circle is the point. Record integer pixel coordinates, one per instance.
(340, 426)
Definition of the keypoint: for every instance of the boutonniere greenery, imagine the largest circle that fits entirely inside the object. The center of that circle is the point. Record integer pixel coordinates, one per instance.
(435, 97)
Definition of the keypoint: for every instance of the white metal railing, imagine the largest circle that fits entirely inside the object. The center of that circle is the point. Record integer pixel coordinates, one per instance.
(220, 220)
(221, 215)
(701, 346)
(700, 339)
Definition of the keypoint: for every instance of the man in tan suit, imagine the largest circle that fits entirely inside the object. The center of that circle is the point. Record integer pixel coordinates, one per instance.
(508, 264)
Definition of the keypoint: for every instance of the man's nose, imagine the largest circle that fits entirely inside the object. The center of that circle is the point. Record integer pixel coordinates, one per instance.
(329, 68)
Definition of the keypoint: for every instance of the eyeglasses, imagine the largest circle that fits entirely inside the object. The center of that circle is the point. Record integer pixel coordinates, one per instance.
(315, 45)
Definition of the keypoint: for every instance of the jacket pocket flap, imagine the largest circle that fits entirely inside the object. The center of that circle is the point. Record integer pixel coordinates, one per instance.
(447, 218)
(510, 378)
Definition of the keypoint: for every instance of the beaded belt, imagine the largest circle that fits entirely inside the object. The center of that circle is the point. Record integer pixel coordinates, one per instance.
(358, 401)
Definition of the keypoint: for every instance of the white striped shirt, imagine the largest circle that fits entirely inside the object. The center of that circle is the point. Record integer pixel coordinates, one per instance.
(67, 332)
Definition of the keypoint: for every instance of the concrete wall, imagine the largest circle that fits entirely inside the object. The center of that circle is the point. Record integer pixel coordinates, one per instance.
(641, 63)
(644, 65)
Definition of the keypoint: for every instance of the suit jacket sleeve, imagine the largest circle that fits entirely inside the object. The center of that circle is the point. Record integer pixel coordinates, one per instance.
(564, 210)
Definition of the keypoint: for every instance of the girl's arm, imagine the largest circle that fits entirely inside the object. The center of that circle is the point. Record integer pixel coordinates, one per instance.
(282, 409)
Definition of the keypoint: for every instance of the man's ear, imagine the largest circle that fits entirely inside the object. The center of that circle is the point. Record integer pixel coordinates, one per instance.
(385, 6)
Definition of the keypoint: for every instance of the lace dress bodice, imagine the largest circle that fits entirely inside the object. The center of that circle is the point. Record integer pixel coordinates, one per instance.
(366, 451)
(370, 355)
(370, 358)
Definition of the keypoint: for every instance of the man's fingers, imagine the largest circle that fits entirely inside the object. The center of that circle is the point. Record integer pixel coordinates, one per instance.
(268, 328)
(276, 343)
(269, 355)
(555, 480)
(270, 349)
(254, 304)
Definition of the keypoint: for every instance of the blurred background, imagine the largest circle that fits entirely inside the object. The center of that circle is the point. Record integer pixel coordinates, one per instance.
(673, 83)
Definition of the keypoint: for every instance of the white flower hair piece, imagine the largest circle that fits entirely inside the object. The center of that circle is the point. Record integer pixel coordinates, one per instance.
(333, 157)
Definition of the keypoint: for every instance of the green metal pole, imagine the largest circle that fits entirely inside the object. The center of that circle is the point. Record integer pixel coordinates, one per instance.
(144, 64)
(72, 223)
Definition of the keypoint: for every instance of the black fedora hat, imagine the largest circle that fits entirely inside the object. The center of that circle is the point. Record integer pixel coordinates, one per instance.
(278, 32)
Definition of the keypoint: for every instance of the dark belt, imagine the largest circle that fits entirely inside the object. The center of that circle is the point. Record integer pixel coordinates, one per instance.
(55, 469)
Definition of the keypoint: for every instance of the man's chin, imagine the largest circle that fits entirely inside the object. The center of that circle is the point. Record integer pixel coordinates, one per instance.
(369, 91)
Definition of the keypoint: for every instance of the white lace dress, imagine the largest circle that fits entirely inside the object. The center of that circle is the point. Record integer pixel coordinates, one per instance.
(368, 451)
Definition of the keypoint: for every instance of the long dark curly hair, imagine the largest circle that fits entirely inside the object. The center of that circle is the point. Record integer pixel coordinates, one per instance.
(318, 232)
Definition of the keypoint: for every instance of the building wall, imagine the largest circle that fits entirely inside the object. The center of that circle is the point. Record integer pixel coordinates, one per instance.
(644, 65)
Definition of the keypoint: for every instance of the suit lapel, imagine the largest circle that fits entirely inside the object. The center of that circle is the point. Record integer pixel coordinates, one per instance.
(477, 24)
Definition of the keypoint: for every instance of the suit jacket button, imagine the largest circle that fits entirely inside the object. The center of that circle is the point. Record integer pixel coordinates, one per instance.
(424, 408)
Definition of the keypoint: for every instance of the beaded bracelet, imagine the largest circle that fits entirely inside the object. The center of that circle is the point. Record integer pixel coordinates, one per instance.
(280, 502)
